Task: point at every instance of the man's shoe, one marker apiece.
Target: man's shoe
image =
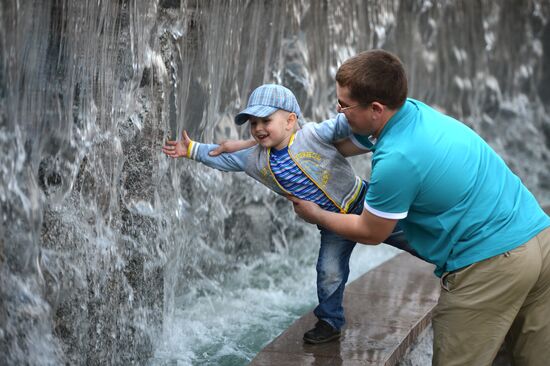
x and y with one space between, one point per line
323 332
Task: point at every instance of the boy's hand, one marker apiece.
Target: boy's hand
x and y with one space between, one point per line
229 146
177 149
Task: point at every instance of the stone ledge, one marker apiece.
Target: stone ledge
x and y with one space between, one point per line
386 310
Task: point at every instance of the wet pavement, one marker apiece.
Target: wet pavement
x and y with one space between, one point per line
386 309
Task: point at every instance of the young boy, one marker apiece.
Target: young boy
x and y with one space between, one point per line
302 163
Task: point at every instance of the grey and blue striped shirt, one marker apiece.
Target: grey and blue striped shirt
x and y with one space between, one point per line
291 178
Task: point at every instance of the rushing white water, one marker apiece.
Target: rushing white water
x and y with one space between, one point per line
250 307
110 253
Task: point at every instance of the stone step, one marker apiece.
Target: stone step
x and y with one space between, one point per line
386 309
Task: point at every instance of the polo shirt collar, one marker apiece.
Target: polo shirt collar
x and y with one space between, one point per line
407 107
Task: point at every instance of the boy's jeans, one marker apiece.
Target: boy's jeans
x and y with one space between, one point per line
333 270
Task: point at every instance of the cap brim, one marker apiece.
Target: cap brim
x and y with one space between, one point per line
254 111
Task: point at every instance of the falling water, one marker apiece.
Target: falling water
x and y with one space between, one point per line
110 253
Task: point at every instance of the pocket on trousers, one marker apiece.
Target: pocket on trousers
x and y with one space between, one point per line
519 249
449 280
443 281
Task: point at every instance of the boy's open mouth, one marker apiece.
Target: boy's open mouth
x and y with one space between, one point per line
262 136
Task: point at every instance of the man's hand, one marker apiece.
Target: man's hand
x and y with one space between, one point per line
229 146
177 149
307 210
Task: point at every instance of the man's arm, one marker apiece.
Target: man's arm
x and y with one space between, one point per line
365 228
388 200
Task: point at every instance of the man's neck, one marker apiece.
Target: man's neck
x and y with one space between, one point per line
387 114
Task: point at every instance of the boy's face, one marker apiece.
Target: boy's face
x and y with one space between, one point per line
274 130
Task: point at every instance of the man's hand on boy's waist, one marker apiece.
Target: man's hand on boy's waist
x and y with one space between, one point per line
307 210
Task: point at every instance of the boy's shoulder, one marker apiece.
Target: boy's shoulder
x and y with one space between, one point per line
309 130
308 135
307 127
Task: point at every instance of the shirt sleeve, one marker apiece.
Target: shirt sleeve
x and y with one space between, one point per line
333 129
227 162
393 187
361 141
338 128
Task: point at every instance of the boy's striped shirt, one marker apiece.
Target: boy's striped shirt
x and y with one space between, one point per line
291 178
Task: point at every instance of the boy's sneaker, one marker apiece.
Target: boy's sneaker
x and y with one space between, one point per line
323 332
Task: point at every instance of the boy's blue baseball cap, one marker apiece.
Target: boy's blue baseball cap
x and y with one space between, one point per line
266 100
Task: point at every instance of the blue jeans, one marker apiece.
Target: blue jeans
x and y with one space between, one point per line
333 269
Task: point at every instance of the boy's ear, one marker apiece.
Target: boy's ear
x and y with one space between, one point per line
292 120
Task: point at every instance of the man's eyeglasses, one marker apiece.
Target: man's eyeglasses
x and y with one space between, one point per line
341 109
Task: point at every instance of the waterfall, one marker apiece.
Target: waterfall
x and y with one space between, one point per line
105 242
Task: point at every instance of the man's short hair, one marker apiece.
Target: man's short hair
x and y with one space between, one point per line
374 76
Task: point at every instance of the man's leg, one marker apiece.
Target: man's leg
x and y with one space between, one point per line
479 303
529 338
332 275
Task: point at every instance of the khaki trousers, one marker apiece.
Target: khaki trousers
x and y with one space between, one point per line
503 298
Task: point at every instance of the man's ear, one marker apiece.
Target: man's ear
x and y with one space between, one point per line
378 107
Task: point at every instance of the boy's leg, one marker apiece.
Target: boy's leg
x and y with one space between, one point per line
479 303
529 338
332 275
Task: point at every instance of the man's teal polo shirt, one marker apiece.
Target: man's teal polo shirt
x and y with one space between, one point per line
458 201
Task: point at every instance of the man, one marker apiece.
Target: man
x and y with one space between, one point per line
461 208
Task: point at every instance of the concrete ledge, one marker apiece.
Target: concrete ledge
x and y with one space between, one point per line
386 310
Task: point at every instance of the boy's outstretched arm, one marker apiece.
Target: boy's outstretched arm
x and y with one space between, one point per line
177 148
229 146
228 162
338 132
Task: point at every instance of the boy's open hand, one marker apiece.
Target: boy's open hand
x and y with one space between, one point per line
177 149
